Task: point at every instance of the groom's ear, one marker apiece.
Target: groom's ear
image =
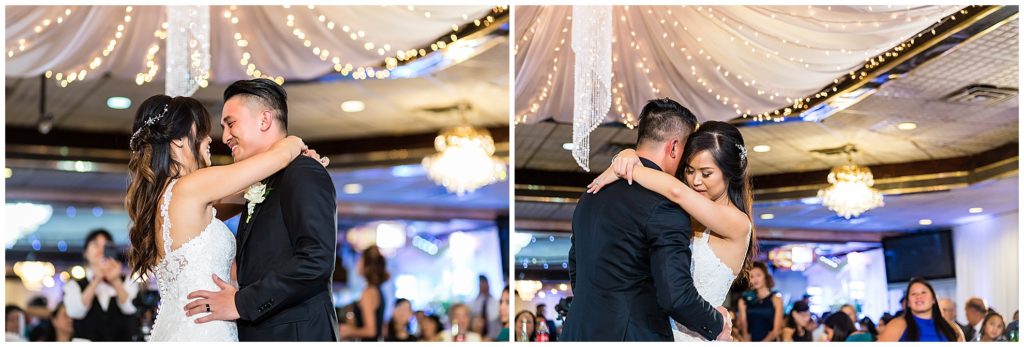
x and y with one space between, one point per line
674 149
266 119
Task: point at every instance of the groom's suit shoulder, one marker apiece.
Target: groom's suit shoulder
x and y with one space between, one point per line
304 168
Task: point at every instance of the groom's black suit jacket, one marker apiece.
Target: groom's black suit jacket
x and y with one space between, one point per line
629 266
285 258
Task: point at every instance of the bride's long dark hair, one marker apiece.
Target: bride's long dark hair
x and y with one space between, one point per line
151 166
724 142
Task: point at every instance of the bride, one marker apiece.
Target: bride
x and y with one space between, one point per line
716 194
180 239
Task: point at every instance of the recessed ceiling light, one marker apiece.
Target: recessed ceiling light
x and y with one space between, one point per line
119 102
353 188
767 216
353 106
925 222
976 210
762 148
907 126
568 146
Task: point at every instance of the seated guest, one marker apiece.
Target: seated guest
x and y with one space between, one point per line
868 332
992 328
430 328
838 327
525 326
478 324
886 318
459 317
503 335
975 309
63 326
1013 328
922 318
15 324
398 327
101 303
798 323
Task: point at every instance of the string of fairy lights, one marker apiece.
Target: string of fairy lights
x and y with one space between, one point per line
251 69
64 79
44 24
545 90
874 58
151 67
392 57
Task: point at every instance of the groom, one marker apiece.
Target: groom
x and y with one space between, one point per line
286 240
629 264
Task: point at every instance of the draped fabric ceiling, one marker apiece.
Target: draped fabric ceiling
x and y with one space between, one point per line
363 36
719 61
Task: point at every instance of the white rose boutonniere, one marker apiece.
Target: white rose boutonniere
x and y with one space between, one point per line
255 196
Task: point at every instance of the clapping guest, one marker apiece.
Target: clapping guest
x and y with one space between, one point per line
922 318
369 310
992 328
798 321
101 303
398 327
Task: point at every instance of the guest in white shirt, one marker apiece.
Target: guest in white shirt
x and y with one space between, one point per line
485 305
975 310
101 304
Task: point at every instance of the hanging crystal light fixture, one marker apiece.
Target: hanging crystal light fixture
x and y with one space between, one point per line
851 192
465 160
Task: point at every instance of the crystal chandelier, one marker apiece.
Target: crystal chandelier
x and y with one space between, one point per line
465 160
851 193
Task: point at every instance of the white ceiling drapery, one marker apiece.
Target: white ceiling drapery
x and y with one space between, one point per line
719 61
353 34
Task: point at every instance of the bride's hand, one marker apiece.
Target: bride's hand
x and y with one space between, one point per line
313 154
623 164
606 178
292 144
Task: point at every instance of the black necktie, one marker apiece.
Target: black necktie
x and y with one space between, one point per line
483 312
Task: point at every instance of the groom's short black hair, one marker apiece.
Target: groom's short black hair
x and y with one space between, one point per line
264 91
662 118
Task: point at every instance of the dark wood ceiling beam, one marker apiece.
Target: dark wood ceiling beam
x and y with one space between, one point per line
897 178
84 140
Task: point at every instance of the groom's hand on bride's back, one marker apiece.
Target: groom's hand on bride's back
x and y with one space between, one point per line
220 304
726 334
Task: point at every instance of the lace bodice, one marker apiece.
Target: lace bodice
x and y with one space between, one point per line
189 268
711 277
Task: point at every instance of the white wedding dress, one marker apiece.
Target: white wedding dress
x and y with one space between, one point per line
187 269
711 277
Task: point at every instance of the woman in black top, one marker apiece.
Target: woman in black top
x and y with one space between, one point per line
369 310
398 327
760 309
797 323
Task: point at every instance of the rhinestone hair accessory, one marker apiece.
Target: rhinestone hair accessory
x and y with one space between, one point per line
149 122
743 153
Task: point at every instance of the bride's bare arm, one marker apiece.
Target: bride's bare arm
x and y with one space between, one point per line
213 183
230 206
726 221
